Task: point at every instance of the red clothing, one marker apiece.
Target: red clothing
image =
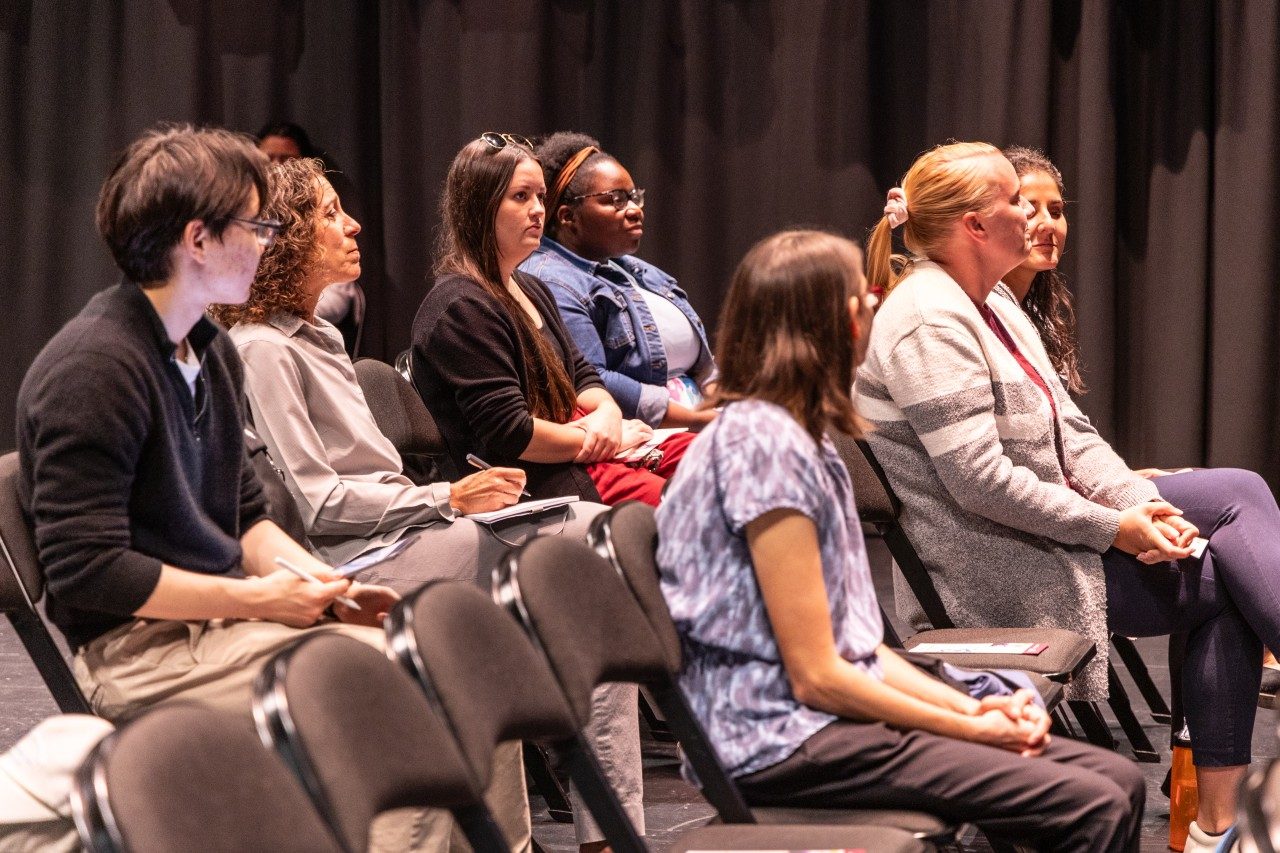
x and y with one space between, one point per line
617 482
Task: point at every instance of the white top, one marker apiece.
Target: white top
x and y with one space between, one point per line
189 367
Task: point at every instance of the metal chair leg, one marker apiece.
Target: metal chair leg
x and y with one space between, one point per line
1091 723
538 765
1119 702
49 661
1137 667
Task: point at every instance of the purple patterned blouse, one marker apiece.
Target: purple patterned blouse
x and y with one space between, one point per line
752 459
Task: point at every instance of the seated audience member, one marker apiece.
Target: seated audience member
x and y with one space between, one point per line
36 776
629 318
492 358
150 524
501 376
307 405
1022 513
1041 289
284 140
765 571
343 303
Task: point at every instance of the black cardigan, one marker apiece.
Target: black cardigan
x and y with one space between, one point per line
121 470
469 370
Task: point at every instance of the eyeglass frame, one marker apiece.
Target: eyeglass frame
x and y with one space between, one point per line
498 141
257 226
635 196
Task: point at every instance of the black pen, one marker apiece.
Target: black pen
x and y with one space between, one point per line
476 462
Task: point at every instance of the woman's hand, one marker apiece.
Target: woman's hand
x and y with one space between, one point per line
487 490
603 428
375 602
634 433
1154 532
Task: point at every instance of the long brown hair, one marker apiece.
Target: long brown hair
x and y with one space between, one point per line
942 185
1048 302
468 246
784 331
294 199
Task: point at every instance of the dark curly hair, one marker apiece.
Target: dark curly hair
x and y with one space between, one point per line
468 246
553 152
1048 302
293 197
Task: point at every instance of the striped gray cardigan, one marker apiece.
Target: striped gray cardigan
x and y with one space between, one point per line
966 439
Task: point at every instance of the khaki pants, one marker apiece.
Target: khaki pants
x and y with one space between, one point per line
147 661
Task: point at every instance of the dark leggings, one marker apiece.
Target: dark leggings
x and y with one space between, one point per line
1227 602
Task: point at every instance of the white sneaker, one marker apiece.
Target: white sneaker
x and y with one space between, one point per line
1199 841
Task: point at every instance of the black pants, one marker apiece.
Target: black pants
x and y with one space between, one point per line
1227 603
1074 797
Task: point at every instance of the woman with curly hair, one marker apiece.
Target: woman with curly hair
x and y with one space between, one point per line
1037 284
345 476
631 320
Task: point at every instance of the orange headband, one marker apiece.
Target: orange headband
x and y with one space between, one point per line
566 175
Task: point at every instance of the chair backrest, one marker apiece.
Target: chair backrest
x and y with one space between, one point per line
582 615
359 733
627 536
480 669
281 507
398 410
878 505
21 579
187 777
593 630
491 684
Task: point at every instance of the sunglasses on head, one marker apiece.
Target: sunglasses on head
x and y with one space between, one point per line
498 141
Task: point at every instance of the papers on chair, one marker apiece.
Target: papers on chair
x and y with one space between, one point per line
521 509
639 451
980 648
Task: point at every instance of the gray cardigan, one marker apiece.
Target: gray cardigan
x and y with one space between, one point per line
967 441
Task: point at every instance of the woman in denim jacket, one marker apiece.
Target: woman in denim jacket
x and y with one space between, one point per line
629 318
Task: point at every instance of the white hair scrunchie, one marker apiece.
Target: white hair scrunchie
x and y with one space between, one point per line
895 207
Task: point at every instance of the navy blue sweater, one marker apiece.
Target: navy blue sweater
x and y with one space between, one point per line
121 470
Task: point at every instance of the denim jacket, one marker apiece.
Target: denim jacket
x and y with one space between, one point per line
613 327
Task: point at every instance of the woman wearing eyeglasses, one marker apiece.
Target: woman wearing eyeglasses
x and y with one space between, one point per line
629 318
494 362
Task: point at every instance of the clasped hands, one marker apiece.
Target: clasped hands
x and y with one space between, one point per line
1015 723
1155 532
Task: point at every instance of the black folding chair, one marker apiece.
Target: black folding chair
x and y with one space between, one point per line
491 685
592 631
359 734
403 418
1067 654
22 587
184 777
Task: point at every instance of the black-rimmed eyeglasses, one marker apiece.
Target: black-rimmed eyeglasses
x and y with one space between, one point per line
265 230
618 198
498 141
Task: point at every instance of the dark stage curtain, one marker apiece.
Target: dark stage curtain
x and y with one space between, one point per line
739 118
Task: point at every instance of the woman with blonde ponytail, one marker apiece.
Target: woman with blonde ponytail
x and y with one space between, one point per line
1022 513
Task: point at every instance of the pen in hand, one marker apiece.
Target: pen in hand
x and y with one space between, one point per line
307 576
476 462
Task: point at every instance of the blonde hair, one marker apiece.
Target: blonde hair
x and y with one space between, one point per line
943 184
